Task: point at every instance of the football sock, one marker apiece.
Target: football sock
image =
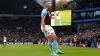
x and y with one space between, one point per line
56 45
50 47
59 22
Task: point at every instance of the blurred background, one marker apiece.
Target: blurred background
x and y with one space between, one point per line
20 21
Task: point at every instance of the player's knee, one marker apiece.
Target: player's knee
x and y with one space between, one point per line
49 38
54 36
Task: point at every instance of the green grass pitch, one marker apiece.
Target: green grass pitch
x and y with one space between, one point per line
42 50
65 17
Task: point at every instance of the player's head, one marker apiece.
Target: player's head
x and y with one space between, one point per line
57 12
47 5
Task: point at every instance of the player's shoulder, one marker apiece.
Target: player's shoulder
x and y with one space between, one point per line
44 10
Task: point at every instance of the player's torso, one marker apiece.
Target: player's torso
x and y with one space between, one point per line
5 40
47 19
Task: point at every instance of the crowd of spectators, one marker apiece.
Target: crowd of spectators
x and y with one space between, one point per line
87 34
19 36
20 30
89 9
86 15
28 31
84 38
83 4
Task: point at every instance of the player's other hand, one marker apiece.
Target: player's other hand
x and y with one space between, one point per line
45 30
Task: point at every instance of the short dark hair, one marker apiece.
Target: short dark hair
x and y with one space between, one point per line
45 2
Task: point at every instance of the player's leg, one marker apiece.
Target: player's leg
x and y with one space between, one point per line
50 43
55 42
51 30
49 38
3 44
59 21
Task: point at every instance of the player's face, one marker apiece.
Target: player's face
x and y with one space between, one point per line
48 5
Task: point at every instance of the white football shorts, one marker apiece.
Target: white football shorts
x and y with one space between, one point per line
49 30
58 17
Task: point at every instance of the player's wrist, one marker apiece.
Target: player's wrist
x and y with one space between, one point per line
45 30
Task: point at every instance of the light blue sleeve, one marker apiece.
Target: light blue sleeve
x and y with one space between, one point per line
44 13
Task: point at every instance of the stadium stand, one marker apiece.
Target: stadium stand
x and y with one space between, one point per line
23 25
